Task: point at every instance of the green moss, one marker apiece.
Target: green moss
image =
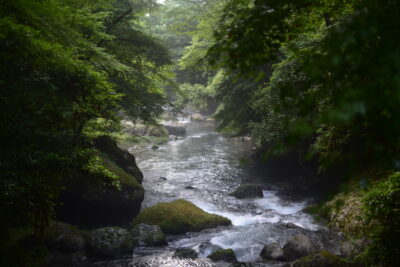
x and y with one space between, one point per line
158 131
126 139
323 258
227 255
382 205
179 216
319 211
122 176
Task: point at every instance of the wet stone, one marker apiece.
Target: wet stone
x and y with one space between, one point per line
273 251
185 253
149 235
297 247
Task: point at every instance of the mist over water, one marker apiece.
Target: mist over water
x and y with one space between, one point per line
213 166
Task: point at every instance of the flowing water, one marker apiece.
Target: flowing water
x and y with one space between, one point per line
213 166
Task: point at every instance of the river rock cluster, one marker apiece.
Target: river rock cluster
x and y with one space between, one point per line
300 250
70 245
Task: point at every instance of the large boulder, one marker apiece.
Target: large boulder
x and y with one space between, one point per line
111 242
248 191
92 199
273 251
323 259
226 255
179 217
149 235
298 246
122 158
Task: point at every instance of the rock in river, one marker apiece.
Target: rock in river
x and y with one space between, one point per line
227 255
185 253
248 191
197 117
175 130
273 251
111 242
298 246
179 217
149 235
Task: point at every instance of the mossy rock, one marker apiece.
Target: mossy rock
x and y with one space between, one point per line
123 177
323 259
227 255
179 217
122 158
158 131
154 147
92 200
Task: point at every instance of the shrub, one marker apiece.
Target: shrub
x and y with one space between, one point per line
382 205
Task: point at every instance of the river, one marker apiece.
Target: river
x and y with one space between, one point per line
204 167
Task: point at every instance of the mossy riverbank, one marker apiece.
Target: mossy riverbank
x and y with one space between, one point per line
365 210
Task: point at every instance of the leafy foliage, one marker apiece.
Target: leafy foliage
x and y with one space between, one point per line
333 88
64 64
187 27
382 204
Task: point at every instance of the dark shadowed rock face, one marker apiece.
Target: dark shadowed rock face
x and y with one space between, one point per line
122 158
88 202
298 246
89 206
64 237
247 191
273 251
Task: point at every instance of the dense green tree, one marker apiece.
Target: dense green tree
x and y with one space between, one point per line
64 64
186 27
334 81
